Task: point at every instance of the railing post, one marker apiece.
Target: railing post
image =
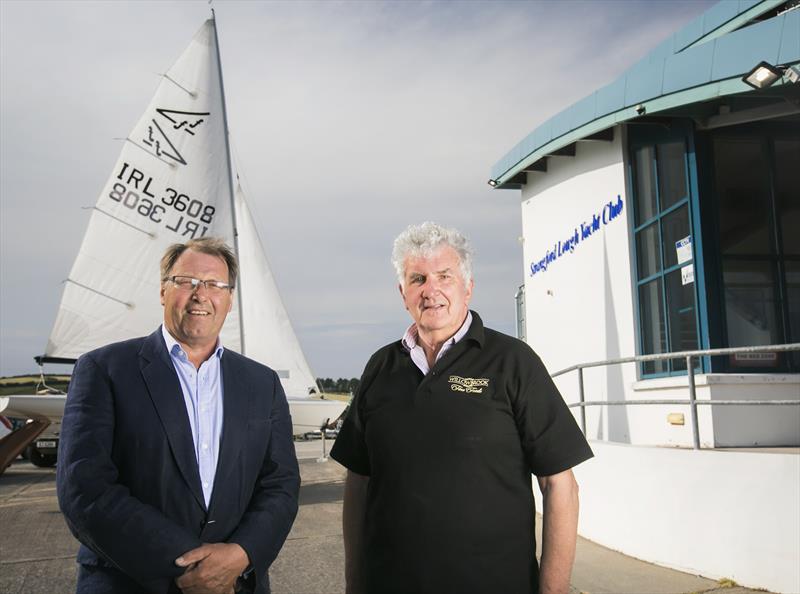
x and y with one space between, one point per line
324 457
693 403
581 396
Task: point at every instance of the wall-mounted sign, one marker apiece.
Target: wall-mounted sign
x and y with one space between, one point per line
570 241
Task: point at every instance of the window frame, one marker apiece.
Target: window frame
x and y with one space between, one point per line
653 135
767 134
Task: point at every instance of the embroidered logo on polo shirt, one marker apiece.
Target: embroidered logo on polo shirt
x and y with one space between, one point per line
470 385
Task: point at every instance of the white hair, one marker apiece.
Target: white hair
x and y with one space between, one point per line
422 240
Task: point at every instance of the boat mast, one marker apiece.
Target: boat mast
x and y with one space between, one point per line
230 184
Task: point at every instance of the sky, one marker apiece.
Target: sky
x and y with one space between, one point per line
350 121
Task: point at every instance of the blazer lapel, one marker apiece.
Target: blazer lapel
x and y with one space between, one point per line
167 396
234 421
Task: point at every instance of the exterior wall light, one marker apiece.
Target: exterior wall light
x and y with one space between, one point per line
492 182
763 75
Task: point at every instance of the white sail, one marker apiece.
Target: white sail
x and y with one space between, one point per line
268 334
171 183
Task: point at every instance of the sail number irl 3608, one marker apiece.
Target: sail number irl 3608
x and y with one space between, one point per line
177 212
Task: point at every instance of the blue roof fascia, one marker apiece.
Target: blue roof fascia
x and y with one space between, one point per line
790 38
739 51
706 92
776 40
719 20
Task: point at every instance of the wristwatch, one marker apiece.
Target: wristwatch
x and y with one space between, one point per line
245 582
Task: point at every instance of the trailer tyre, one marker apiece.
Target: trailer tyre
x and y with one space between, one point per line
41 460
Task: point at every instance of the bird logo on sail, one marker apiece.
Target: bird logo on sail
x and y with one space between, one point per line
185 122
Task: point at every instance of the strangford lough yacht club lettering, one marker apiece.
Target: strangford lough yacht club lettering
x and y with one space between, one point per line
610 211
470 385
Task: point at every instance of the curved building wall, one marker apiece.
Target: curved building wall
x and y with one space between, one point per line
578 276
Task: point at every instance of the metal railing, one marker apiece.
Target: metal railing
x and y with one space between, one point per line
692 402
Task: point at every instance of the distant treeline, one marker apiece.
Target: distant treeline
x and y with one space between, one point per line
328 384
28 384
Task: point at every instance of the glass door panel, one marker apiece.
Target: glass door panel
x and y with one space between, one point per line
742 187
787 194
647 256
675 228
654 338
672 182
681 312
644 175
793 296
751 310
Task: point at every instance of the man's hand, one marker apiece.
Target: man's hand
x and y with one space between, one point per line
211 568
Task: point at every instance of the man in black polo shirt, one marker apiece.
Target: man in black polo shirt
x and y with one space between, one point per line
440 442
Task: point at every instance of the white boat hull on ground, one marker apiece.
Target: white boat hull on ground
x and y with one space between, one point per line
308 414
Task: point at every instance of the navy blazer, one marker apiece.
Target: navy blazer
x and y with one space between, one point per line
128 481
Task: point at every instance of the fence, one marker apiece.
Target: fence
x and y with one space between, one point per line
692 401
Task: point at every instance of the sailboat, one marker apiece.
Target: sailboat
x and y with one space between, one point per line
174 180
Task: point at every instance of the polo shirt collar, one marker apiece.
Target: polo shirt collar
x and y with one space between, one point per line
475 331
411 337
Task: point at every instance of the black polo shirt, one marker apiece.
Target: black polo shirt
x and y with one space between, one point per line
449 455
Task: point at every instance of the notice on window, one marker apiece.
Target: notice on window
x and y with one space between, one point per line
683 249
687 274
754 359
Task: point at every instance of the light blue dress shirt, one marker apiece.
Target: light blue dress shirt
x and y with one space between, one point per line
202 394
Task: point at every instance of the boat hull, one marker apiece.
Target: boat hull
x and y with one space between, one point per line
308 414
311 414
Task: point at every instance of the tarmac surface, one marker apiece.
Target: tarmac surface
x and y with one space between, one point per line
37 551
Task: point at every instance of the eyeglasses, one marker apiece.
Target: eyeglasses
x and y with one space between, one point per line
187 283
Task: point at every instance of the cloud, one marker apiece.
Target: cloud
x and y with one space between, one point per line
350 121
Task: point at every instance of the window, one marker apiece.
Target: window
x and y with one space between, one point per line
663 245
758 217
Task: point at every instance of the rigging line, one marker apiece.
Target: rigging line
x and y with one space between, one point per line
230 179
192 94
125 303
148 151
108 214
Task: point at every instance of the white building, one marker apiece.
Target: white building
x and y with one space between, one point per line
662 214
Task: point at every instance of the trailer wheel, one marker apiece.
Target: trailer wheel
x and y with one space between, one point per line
41 460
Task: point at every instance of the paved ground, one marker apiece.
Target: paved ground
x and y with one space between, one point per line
37 552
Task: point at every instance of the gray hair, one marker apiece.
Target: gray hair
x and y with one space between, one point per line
212 246
422 240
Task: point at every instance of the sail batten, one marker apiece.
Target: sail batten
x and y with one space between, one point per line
173 181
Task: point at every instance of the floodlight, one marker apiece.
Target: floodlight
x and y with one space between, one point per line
492 182
763 75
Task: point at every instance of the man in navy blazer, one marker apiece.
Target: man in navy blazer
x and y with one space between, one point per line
177 470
